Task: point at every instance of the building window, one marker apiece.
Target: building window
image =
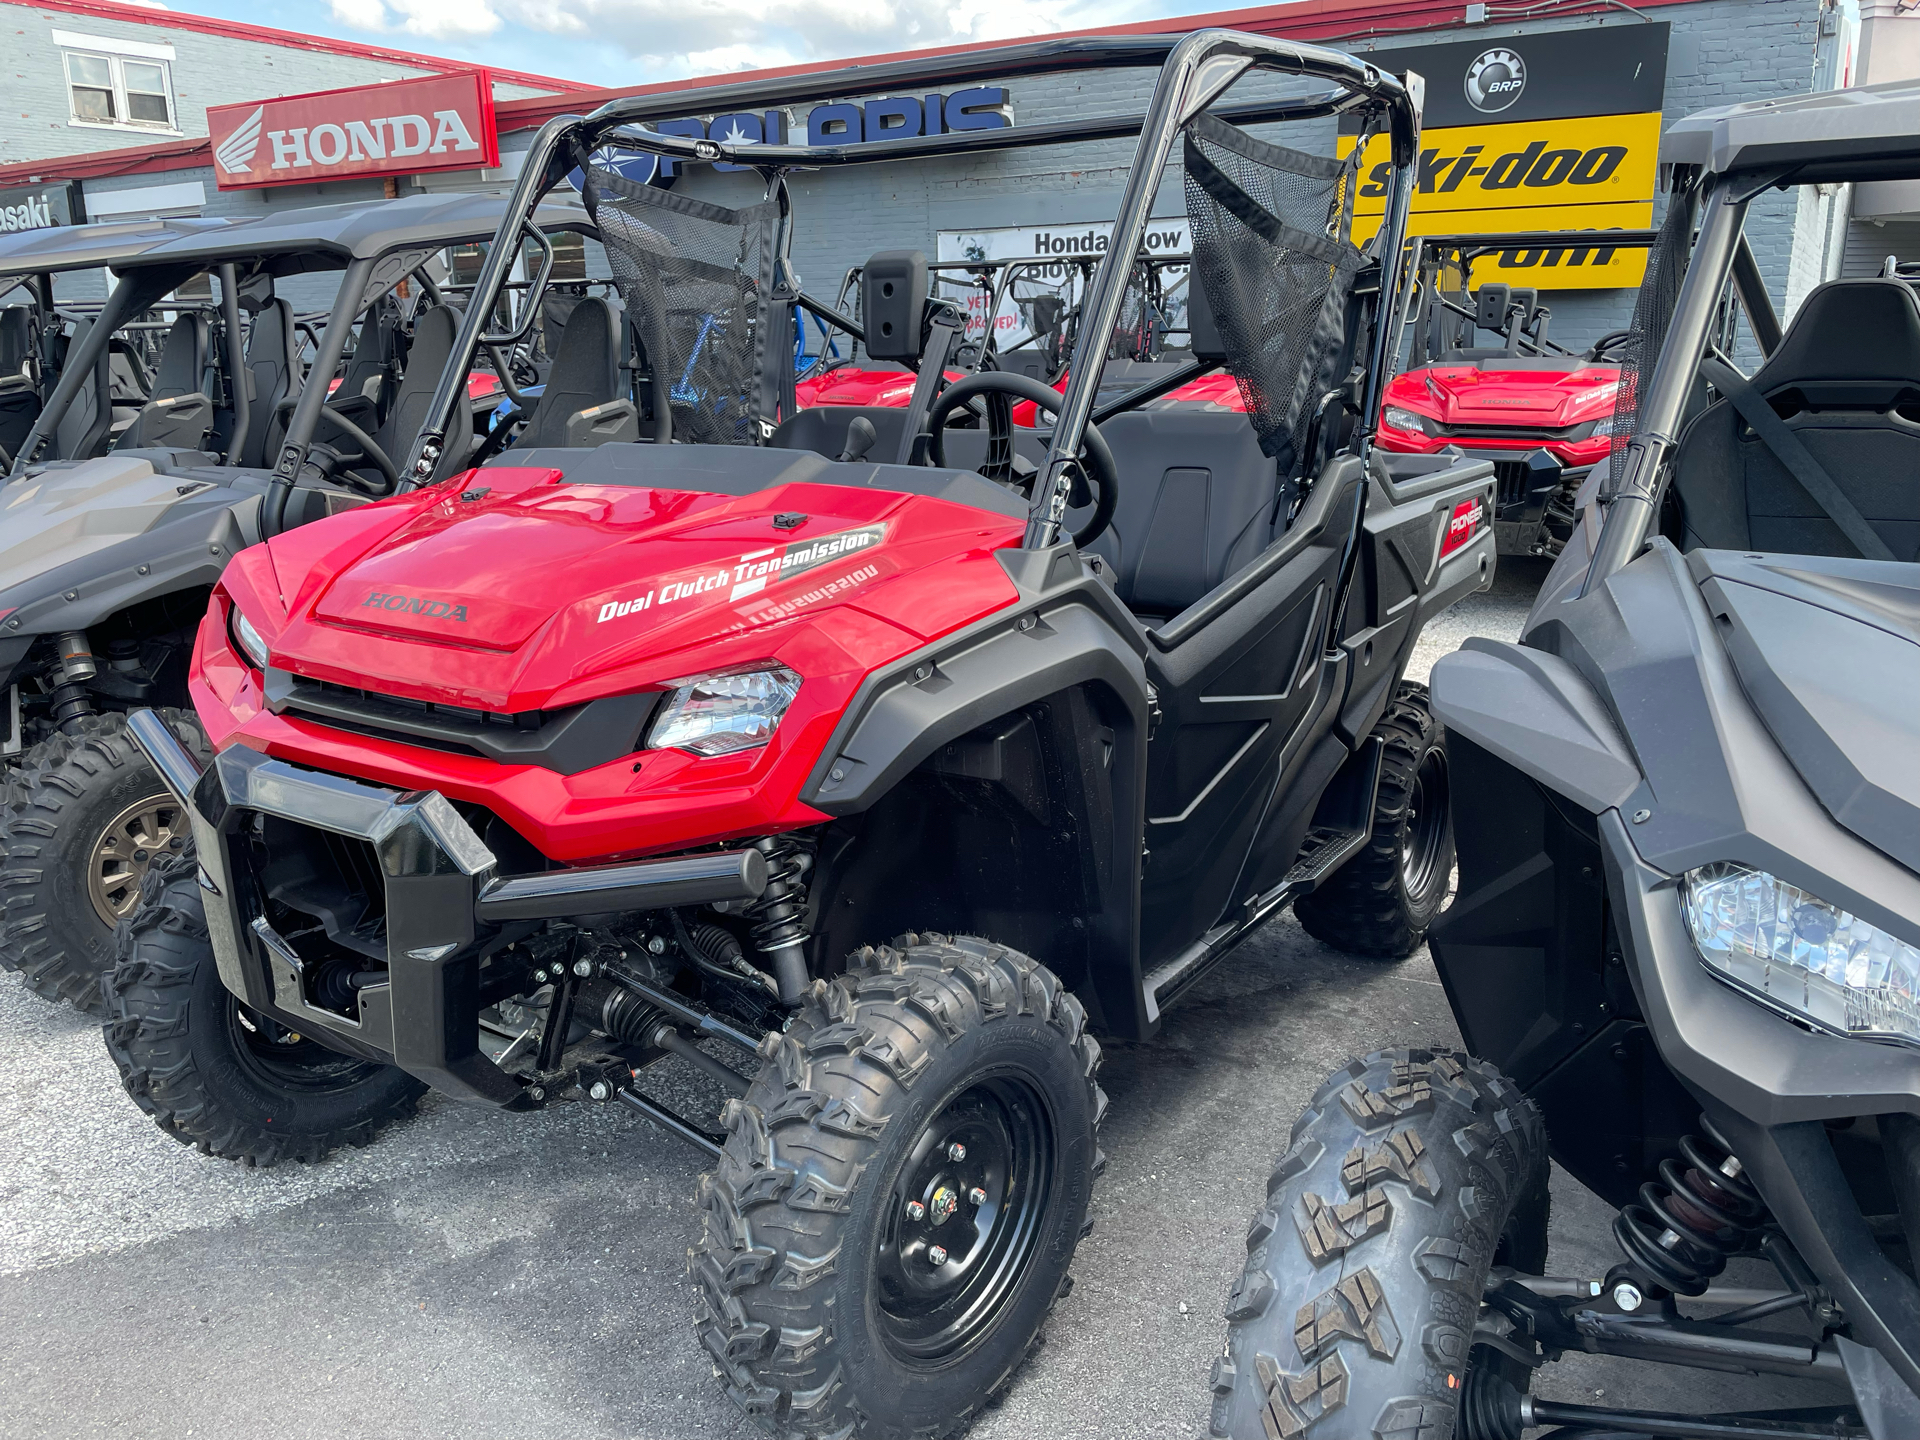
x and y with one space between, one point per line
120 90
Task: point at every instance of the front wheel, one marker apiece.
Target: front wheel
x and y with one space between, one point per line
85 816
1382 902
1411 1173
901 1193
213 1073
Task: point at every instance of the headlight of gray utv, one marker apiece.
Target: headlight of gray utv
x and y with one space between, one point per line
247 639
1801 955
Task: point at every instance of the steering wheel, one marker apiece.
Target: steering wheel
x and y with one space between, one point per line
1095 454
389 473
1607 341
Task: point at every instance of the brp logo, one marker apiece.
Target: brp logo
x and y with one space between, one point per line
1495 80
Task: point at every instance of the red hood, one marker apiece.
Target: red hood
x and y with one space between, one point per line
1468 395
851 386
535 593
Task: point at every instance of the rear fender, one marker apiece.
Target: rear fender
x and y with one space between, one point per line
1404 580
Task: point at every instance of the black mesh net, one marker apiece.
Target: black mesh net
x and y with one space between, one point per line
1271 249
697 281
1652 313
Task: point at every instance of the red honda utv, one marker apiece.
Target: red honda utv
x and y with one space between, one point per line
1483 377
892 779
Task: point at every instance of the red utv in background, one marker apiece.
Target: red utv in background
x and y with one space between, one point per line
1484 378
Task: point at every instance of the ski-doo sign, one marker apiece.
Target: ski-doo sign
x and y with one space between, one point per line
404 127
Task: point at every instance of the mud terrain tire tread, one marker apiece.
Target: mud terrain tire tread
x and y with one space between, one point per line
53 799
1355 1311
163 984
782 1211
1363 908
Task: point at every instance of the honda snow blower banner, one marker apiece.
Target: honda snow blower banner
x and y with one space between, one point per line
402 127
1556 131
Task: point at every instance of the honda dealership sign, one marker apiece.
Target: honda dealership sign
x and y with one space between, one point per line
404 127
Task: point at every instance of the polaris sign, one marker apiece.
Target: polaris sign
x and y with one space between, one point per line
981 107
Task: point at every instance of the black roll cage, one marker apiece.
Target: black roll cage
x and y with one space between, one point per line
1195 69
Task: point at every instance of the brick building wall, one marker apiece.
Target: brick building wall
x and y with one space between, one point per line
206 69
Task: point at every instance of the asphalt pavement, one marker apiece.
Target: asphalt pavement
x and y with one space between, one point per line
476 1274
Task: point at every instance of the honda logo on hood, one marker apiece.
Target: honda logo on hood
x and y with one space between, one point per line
433 122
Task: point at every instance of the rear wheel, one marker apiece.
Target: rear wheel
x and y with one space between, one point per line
1382 902
213 1073
85 816
1411 1173
901 1193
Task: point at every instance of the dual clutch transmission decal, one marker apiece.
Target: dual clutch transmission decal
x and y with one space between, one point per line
750 573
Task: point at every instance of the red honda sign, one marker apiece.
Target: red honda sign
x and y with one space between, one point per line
403 127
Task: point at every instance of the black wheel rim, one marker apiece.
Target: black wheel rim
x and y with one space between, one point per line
985 1209
287 1060
1423 836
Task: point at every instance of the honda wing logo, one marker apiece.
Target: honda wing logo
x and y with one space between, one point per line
236 152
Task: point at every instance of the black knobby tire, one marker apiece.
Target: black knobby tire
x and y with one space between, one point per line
1382 902
1410 1173
818 1294
214 1074
62 802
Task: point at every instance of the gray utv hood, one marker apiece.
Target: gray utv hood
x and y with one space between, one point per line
1828 651
73 537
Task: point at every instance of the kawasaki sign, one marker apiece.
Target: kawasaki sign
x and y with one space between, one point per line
36 207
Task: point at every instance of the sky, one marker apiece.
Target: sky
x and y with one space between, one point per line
633 42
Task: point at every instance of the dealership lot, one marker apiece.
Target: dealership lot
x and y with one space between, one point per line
483 1275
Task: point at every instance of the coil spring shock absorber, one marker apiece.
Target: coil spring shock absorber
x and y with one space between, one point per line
779 916
1690 1221
72 702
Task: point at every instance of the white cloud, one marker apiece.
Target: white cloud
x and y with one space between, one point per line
430 19
704 37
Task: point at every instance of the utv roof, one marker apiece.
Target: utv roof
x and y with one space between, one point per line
1871 132
364 230
87 247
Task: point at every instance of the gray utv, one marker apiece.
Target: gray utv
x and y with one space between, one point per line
890 780
109 551
1685 953
36 332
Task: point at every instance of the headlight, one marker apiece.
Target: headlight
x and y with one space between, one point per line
246 639
1604 428
719 714
1401 419
1802 955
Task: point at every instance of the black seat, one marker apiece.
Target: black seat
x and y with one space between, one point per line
16 340
1198 500
585 373
273 364
433 336
1845 379
183 359
169 418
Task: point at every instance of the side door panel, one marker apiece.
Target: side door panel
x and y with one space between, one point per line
1236 682
1404 580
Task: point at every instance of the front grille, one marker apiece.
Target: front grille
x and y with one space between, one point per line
1510 476
569 740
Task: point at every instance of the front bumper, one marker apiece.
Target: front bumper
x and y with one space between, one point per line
443 900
